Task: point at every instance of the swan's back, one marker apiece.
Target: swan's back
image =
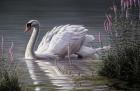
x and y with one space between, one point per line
59 38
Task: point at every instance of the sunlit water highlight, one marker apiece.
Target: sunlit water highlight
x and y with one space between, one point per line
55 75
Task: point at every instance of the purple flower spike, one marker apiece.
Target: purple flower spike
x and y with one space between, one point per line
122 3
127 3
11 52
131 3
108 23
109 17
135 2
105 25
115 9
139 3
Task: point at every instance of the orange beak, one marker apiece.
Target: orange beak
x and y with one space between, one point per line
28 27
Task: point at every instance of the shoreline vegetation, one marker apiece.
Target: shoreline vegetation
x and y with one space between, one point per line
9 77
122 61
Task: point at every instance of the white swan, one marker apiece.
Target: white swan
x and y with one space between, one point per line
57 41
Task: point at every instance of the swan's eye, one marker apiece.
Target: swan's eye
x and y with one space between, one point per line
28 24
28 27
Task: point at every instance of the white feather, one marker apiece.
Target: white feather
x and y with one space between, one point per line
57 40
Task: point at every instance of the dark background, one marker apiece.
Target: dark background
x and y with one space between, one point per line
16 13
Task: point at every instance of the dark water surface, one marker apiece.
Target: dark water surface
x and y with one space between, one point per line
15 13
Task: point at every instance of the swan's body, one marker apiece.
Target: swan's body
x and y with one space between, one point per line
56 42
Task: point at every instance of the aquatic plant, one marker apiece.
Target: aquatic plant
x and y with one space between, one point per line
124 9
11 52
122 61
9 80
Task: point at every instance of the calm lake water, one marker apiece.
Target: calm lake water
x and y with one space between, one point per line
15 13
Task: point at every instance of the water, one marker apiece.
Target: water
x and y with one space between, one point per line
15 13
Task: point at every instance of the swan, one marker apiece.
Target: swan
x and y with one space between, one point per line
60 41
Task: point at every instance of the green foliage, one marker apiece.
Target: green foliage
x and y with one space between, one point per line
122 61
9 80
123 64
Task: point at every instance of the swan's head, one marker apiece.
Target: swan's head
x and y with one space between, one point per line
32 24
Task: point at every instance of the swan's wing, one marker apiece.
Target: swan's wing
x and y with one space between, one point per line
45 40
71 35
43 45
89 39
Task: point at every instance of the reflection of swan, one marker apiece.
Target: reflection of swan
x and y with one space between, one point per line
57 42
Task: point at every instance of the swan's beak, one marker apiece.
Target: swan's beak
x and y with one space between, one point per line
28 27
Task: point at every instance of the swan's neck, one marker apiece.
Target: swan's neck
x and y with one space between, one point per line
29 53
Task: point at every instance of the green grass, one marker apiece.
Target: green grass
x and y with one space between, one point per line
9 80
122 61
123 65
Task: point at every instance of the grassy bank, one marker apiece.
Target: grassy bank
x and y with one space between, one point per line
9 80
122 61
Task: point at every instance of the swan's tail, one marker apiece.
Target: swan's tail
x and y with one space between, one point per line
89 51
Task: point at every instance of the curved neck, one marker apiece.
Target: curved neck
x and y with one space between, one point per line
29 53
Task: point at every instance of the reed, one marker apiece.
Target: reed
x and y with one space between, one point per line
9 80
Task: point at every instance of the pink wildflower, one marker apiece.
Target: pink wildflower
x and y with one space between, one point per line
11 52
